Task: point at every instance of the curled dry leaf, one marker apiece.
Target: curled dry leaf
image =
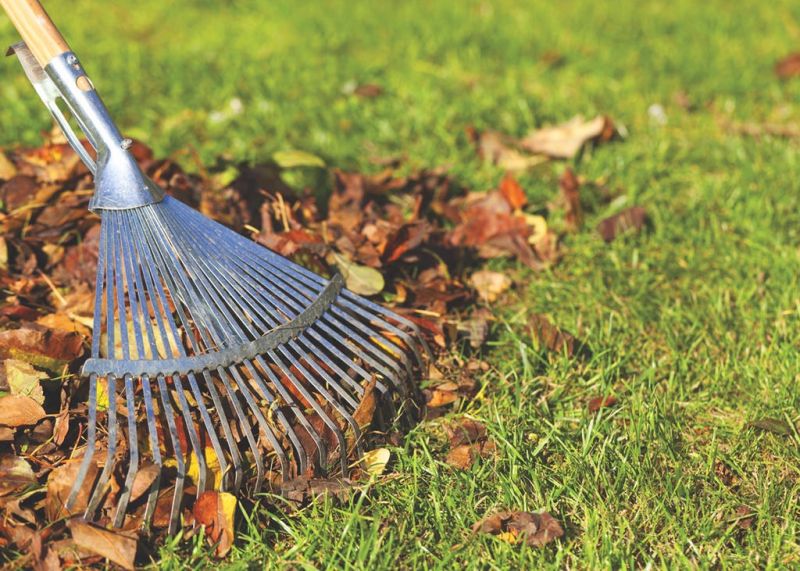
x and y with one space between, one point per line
512 192
601 402
15 473
745 517
569 186
215 511
469 441
116 547
489 284
634 218
59 485
774 425
565 140
375 461
548 336
41 346
536 529
788 66
21 378
19 410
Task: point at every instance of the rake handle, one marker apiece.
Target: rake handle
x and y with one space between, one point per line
36 28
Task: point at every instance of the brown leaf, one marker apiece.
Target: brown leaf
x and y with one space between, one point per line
788 66
461 457
303 488
145 476
59 486
215 511
41 346
15 473
745 517
512 192
466 431
565 140
634 218
116 547
497 149
368 90
366 408
489 285
20 410
441 397
7 168
601 402
774 425
545 334
569 186
536 529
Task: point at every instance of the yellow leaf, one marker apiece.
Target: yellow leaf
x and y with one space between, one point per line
102 394
212 467
23 379
362 280
375 461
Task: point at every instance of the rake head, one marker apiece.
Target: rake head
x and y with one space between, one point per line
230 355
215 363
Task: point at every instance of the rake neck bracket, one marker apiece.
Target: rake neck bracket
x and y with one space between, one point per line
119 182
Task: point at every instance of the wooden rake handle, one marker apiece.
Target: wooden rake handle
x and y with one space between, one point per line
36 28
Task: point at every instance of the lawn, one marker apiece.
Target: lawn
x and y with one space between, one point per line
694 325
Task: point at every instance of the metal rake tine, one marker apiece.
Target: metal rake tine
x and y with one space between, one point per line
286 397
204 412
133 456
91 437
177 497
152 496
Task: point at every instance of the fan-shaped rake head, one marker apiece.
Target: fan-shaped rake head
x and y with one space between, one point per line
218 360
216 363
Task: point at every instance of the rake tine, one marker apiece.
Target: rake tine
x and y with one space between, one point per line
152 497
91 437
111 413
283 459
133 456
177 498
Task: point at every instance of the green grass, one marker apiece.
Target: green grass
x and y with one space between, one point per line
693 325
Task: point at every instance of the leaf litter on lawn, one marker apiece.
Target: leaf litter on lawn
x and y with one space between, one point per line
418 242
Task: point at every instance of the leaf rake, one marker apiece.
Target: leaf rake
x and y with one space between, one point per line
216 363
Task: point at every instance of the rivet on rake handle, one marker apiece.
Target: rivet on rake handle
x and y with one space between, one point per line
230 365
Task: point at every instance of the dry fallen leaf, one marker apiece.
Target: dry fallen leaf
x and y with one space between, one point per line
775 425
565 140
536 529
633 218
22 379
116 547
59 486
375 461
601 402
548 336
569 186
41 346
361 280
512 192
15 473
19 410
788 66
489 284
215 511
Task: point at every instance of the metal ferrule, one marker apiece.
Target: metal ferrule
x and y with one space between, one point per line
119 182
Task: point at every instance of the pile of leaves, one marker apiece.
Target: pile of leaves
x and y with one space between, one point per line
417 242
